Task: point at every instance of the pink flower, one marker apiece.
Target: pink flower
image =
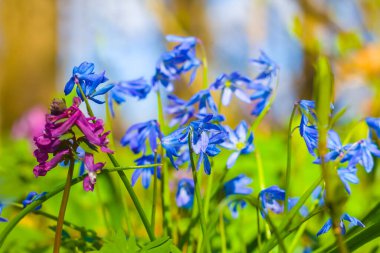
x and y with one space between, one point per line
30 124
60 140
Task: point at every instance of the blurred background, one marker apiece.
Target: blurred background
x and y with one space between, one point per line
42 40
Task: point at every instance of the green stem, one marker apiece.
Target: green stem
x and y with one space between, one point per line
289 159
62 209
197 189
51 217
124 178
153 215
260 169
205 65
222 233
164 172
258 120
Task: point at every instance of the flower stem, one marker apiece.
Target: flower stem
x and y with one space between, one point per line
197 190
62 209
164 172
30 208
124 179
260 169
205 65
222 233
153 215
289 159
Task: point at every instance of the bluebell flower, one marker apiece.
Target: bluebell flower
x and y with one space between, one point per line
205 101
185 193
181 110
348 175
374 124
335 148
268 67
310 136
237 185
89 81
303 210
181 59
232 84
205 136
361 153
137 135
215 118
237 140
318 195
270 198
145 173
345 217
260 96
2 219
139 88
31 197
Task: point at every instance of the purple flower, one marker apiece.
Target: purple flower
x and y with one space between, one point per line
181 59
92 169
137 135
185 193
361 153
345 217
145 173
2 219
231 84
60 140
268 68
139 88
270 198
237 140
374 124
31 197
89 81
348 175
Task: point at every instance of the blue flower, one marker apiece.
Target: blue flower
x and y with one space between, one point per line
89 81
260 96
181 59
335 147
137 135
205 136
374 124
139 88
237 141
361 153
145 173
2 219
345 217
181 110
310 136
185 193
231 84
237 185
270 198
293 201
348 175
268 67
205 100
31 197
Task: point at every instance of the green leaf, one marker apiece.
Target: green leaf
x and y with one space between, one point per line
119 243
160 245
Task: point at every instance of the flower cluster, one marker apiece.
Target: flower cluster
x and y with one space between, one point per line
61 139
